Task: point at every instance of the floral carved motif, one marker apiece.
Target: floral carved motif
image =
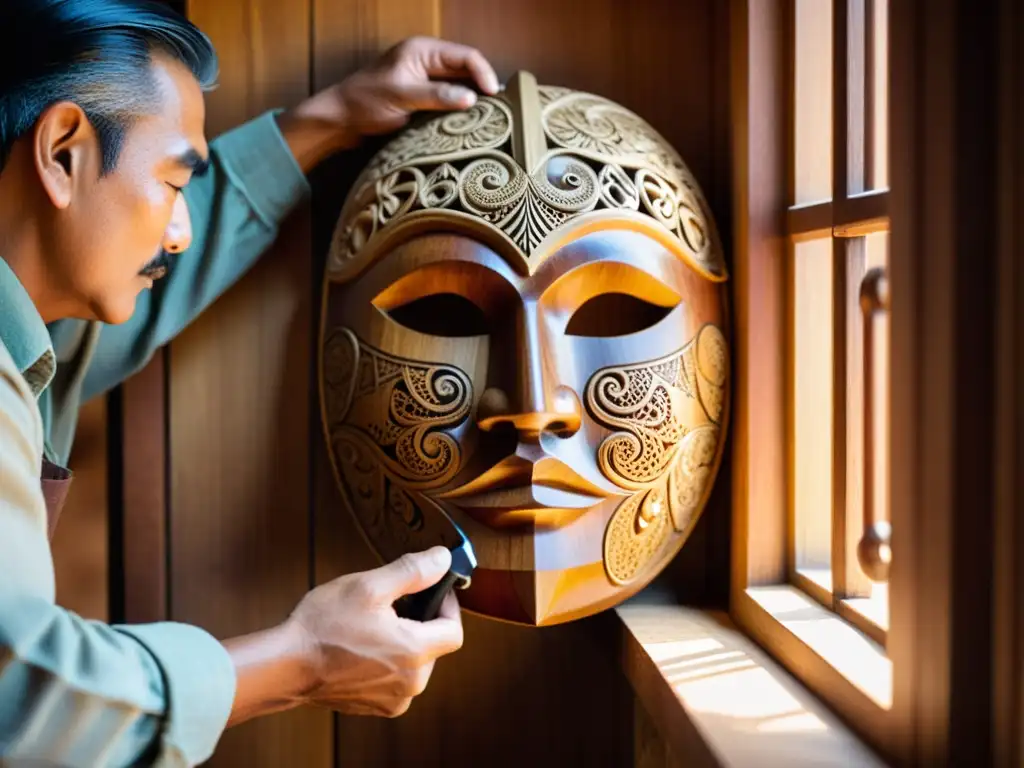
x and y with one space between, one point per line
668 462
396 409
599 156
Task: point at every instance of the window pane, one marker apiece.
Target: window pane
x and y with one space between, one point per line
812 407
812 140
880 95
877 255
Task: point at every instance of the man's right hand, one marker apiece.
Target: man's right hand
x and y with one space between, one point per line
345 648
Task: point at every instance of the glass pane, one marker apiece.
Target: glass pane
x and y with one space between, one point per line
877 255
879 22
812 407
812 140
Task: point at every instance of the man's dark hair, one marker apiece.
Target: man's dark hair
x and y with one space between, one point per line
95 53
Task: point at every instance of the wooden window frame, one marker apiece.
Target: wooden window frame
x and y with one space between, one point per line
955 436
763 223
856 207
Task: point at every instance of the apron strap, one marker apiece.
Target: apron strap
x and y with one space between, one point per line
56 482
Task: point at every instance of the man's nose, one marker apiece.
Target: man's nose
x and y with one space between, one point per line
178 235
536 405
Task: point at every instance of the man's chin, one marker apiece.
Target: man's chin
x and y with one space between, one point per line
115 312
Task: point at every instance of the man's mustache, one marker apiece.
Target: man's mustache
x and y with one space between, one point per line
157 267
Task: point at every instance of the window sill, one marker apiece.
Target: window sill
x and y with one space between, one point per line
718 699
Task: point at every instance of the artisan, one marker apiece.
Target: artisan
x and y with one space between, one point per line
119 224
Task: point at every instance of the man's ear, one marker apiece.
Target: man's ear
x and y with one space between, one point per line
65 147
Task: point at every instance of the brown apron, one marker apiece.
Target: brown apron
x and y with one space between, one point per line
56 481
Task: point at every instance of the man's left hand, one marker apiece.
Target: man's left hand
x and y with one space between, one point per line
381 98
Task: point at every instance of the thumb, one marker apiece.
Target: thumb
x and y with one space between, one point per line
436 96
412 572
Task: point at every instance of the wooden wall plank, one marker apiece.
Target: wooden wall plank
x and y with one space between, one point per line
141 517
80 541
239 393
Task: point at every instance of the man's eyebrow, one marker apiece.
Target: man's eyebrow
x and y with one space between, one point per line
191 160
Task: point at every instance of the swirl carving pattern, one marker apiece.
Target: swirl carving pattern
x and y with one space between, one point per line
396 409
599 156
394 519
668 462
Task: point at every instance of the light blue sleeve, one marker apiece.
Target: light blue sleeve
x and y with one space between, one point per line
83 693
237 208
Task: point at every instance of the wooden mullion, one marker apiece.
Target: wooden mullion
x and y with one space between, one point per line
839 413
862 213
847 578
840 101
840 162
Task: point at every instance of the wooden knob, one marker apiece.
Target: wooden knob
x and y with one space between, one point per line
874 552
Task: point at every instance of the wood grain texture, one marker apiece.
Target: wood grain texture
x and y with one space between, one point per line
143 523
1008 692
80 542
760 180
239 395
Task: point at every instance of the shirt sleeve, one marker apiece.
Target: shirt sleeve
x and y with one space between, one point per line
82 693
237 206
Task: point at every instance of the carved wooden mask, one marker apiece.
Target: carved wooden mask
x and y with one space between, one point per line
524 332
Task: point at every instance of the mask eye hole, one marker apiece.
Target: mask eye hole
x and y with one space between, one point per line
614 314
441 314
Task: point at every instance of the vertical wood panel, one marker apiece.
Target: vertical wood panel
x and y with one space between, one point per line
239 393
141 517
80 541
759 124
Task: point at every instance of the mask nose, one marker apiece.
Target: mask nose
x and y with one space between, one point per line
535 408
563 418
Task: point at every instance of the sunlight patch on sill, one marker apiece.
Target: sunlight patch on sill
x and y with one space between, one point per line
746 709
855 656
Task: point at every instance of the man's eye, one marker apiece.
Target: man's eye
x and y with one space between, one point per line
614 314
442 314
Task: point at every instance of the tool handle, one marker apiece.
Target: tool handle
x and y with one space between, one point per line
425 605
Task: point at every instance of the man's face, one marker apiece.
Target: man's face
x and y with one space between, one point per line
120 230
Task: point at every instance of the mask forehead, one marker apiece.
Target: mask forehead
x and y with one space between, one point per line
515 169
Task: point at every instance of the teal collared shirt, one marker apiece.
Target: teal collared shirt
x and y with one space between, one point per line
84 693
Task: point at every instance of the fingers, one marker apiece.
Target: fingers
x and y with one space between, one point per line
442 58
450 608
460 60
412 572
442 635
437 96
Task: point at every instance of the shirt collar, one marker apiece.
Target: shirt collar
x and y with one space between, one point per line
24 333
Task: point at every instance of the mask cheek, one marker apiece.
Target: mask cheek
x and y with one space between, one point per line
400 411
660 415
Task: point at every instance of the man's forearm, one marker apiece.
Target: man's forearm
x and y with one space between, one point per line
313 137
273 671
